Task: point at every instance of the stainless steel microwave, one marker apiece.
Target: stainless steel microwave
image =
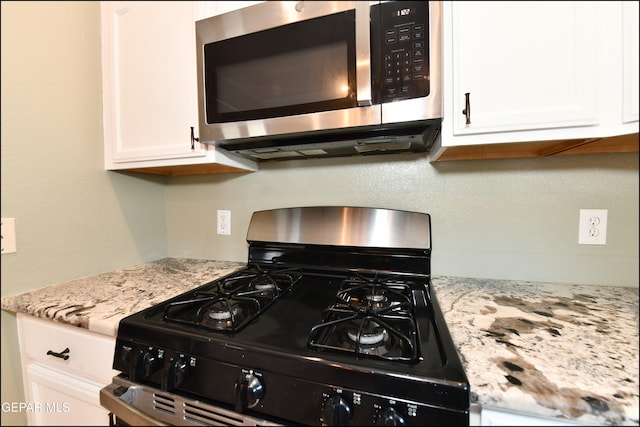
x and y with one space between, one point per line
300 79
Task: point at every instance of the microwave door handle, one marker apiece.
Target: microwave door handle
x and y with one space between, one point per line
363 53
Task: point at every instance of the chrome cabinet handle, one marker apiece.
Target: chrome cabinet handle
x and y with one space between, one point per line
64 354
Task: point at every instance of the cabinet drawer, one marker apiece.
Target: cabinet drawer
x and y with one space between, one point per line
90 355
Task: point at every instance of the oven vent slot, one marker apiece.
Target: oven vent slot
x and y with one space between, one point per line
164 403
210 416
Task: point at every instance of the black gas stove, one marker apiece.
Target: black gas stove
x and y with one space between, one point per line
332 322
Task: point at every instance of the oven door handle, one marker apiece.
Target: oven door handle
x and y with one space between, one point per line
363 54
123 410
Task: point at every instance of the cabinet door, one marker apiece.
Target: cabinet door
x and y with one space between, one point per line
149 72
490 417
630 61
525 65
62 400
63 368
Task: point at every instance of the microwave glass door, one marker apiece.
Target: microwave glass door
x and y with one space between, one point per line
303 67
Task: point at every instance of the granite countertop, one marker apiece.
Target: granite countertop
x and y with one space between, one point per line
99 302
553 350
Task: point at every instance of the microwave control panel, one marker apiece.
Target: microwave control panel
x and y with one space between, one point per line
400 43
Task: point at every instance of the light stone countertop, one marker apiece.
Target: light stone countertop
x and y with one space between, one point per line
552 350
98 303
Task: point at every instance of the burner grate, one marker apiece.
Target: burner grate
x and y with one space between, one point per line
372 317
231 303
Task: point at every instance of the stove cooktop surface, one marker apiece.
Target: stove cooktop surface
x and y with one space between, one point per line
366 319
299 332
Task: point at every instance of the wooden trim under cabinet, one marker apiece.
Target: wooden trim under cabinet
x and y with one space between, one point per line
615 144
187 170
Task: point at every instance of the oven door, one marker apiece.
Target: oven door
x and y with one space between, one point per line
132 404
121 412
284 67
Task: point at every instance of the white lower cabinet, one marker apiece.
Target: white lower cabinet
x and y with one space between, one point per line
495 417
63 368
60 399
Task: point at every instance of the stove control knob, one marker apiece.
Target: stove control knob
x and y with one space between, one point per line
336 411
175 374
135 366
391 417
179 371
249 391
149 364
126 355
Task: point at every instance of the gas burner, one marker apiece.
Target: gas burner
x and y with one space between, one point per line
376 299
221 319
222 311
377 343
377 294
370 334
379 301
263 283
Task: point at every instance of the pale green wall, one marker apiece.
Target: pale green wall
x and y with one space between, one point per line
73 218
511 219
503 219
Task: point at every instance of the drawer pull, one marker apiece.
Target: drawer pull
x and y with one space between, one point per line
64 354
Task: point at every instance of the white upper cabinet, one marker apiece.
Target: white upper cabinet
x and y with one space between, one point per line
630 61
150 91
537 72
525 65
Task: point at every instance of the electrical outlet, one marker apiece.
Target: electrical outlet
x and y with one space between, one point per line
8 235
224 222
593 227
